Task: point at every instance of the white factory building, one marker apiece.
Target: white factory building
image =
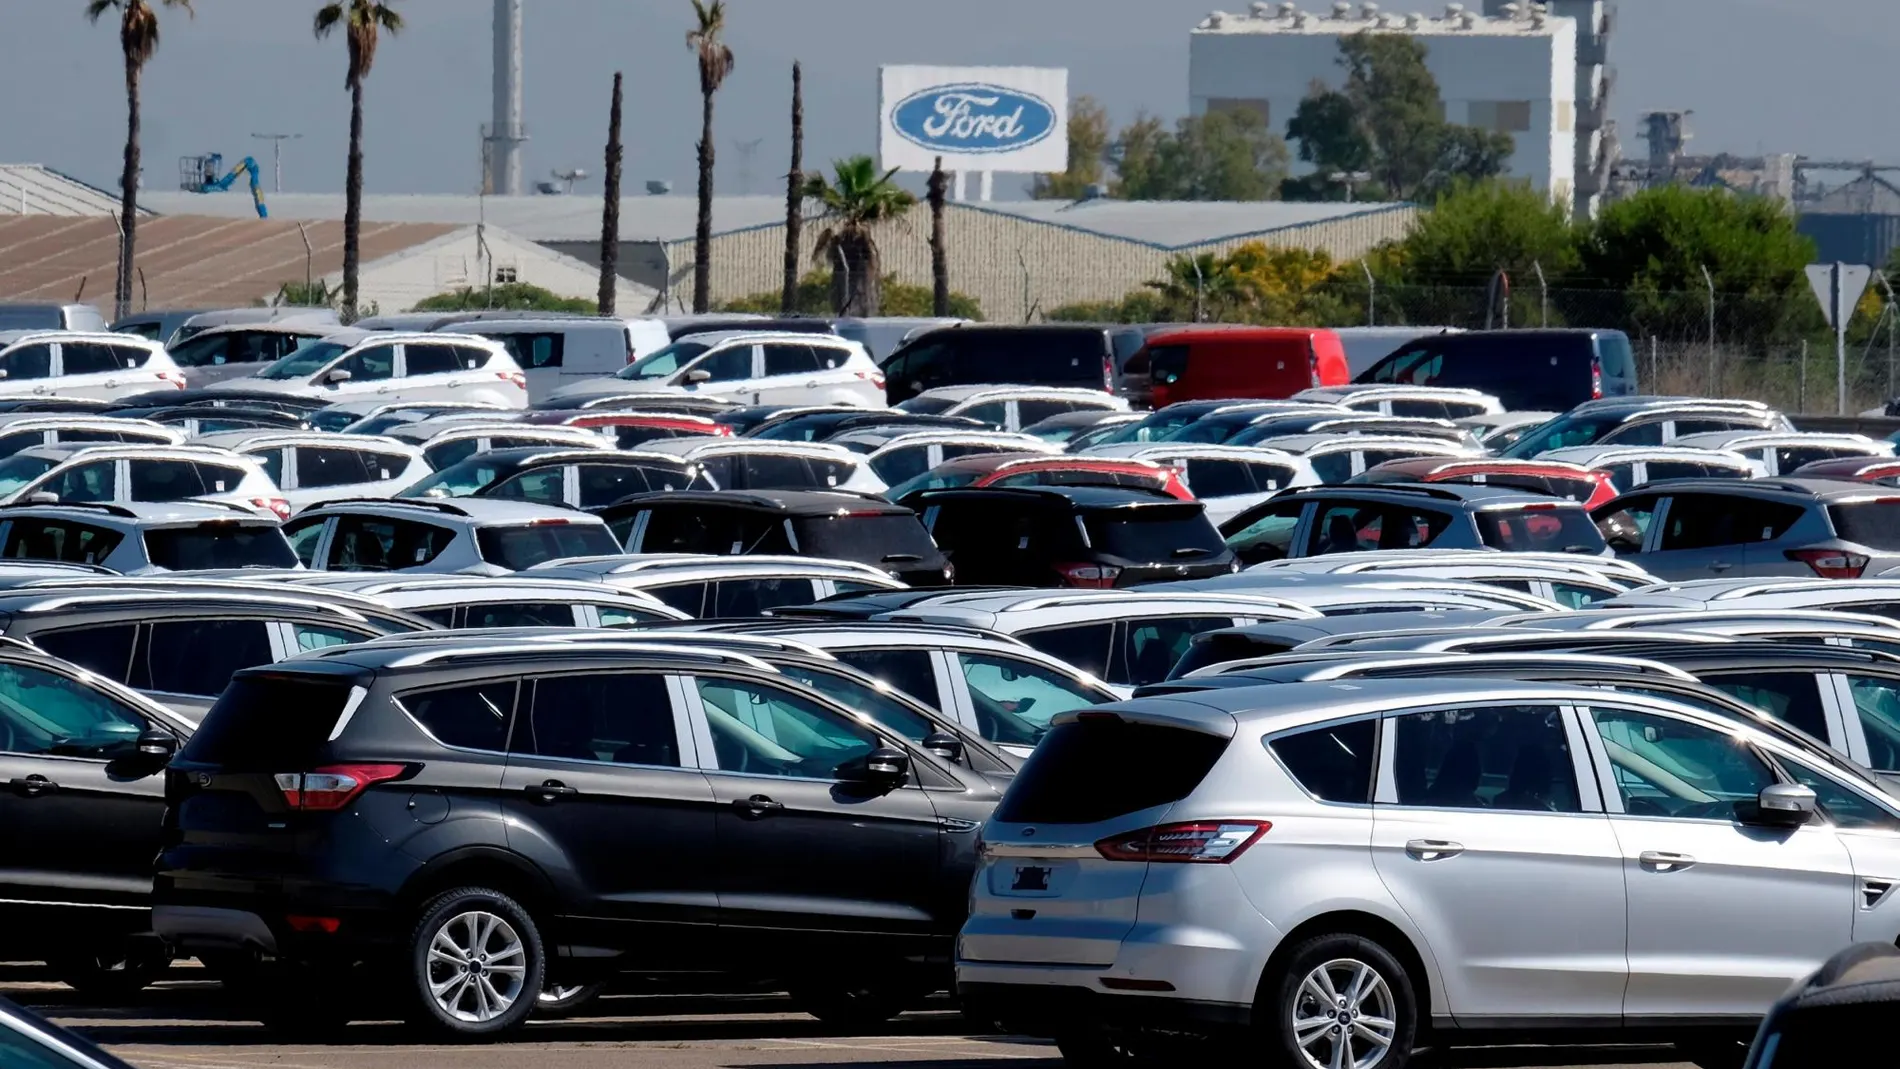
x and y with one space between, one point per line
1534 71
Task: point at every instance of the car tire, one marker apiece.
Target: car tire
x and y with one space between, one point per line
565 1000
111 974
476 965
1329 975
844 1004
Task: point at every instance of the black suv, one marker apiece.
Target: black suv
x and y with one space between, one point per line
1080 536
454 823
812 523
1052 354
1528 370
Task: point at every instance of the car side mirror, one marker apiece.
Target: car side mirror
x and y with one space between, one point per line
944 745
885 767
696 376
158 745
3 373
337 377
1782 805
42 497
152 752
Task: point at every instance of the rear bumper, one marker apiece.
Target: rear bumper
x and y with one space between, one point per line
1058 1009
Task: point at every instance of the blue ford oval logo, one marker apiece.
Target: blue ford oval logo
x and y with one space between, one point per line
972 117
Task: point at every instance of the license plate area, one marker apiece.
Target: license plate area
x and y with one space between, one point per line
1032 877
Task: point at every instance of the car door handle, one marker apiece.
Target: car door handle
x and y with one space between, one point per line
1663 861
1719 566
549 792
33 786
812 385
1433 849
756 806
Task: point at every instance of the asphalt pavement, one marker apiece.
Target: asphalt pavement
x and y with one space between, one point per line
182 1024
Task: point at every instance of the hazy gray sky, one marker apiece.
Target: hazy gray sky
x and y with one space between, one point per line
1807 76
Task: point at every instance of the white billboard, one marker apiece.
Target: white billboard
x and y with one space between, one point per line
976 118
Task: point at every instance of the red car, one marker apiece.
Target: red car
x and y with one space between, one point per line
629 429
1552 477
1043 469
1882 470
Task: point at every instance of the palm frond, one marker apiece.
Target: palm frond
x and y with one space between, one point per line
328 18
96 9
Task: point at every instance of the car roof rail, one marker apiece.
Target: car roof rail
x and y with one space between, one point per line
92 506
435 504
496 647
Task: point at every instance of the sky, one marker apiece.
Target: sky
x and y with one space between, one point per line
1807 76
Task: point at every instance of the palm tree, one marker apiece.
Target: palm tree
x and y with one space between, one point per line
138 39
939 249
859 198
610 210
794 195
363 23
707 39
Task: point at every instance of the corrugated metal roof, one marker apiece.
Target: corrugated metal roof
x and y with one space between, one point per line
542 218
1867 195
31 189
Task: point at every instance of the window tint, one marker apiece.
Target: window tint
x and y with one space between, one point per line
219 545
1270 535
1705 425
1875 524
1625 523
198 656
74 543
1539 530
910 671
1791 697
268 722
1429 409
1089 647
1844 806
1670 768
1647 433
1078 775
85 482
517 548
318 468
520 614
28 362
872 537
106 650
429 359
1153 646
1578 596
86 358
994 413
473 717
1222 478
1333 764
604 484
1515 758
376 544
544 485
768 471
13 443
727 365
373 364
689 598
1333 468
533 351
1015 699
304 536
856 694
43 712
624 719
764 731
901 464
215 478
788 359
1877 704
751 597
1165 533
624 616
168 480
317 637
1698 521
1349 527
273 462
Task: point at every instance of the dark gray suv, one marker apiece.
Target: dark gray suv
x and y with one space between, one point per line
1716 528
1310 521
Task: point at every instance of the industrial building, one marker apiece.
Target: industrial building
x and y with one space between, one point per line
1534 71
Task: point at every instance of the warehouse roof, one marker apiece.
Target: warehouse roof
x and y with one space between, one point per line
1174 224
30 189
1867 195
1344 18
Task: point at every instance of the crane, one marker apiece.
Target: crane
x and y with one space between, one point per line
199 174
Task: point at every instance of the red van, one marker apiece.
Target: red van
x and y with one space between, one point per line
1216 362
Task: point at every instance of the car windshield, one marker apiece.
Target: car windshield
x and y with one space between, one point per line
874 538
219 545
1155 533
17 471
458 480
1540 529
524 547
865 698
663 363
305 362
934 479
927 406
1560 433
1874 524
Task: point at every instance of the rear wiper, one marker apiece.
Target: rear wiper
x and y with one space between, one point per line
1579 549
1187 551
901 558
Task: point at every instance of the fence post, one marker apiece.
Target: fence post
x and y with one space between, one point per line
1543 295
1372 297
1715 386
1200 284
1652 363
1801 387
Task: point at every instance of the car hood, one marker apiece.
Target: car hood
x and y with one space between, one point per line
253 384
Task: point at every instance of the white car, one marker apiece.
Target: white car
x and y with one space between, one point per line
310 466
470 535
898 454
1228 479
18 430
51 363
758 464
750 367
1781 452
1630 466
1432 402
1338 457
155 474
452 439
361 365
1011 408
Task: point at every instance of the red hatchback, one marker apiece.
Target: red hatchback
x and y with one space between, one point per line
1882 470
1038 469
632 428
1555 478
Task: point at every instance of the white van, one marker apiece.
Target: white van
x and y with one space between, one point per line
557 351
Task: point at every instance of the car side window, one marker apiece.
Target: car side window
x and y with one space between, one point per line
318 468
752 596
1647 433
374 364
620 719
1015 699
87 358
1089 647
994 413
727 365
304 536
472 717
197 657
1220 478
215 478
1515 758
273 462
545 485
1333 468
784 358
1700 521
1426 408
759 730
318 637
902 464
1334 762
1152 647
908 670
85 482
1350 527
106 650
1877 704
429 359
72 543
1666 767
1790 697
27 362
1578 596
1270 535
534 351
166 480
375 544
689 598
1626 528
43 712
774 471
1846 807
520 614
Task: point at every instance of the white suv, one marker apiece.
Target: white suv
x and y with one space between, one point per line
361 365
36 363
751 367
1333 871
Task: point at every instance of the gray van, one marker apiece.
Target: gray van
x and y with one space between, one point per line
559 350
51 317
156 326
227 317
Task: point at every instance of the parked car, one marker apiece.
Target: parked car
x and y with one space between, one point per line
748 366
1010 408
754 464
450 439
352 365
139 538
1863 469
898 454
631 429
1595 789
555 352
471 535
1049 354
881 335
978 470
1498 431
1831 1012
100 366
1783 452
1554 477
19 430
196 420
1434 402
816 523
1630 466
1366 346
1077 430
377 417
1227 479
795 788
1375 595
1336 457
1524 369
55 474
220 353
1643 421
26 316
1710 528
1613 570
309 467
158 326
711 587
1349 519
463 601
210 319
1268 431
1203 363
1082 536
822 425
1571 588
1879 596
553 475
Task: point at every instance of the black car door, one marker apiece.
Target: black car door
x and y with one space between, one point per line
806 861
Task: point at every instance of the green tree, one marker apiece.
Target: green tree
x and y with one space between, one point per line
1135 153
363 23
1088 154
523 296
1221 155
812 296
854 203
1484 227
708 43
138 40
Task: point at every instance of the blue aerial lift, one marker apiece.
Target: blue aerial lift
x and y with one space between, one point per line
199 174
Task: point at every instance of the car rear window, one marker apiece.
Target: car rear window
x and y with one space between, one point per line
1576 489
1541 529
1874 524
1156 533
219 545
269 722
517 548
870 537
1333 763
1078 772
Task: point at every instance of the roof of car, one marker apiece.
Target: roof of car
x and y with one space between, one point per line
896 434
11 337
1493 420
1358 390
1745 439
681 567
1595 456
265 438
1192 450
1853 467
722 337
786 502
1628 407
1834 491
480 510
697 446
1004 390
13 422
1475 494
440 433
1482 465
1153 600
1338 442
144 513
312 327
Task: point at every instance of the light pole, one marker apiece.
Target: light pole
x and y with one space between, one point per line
277 156
1348 179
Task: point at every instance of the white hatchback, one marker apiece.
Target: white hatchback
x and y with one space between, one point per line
751 367
45 363
311 467
121 474
361 365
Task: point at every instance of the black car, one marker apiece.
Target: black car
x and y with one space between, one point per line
82 760
195 420
1837 1016
1528 370
1081 536
461 822
811 523
559 475
1050 354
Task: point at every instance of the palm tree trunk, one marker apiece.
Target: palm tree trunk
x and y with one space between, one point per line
610 211
702 233
939 255
855 286
353 202
794 194
128 194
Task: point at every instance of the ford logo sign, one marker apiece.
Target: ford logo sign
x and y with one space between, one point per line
972 117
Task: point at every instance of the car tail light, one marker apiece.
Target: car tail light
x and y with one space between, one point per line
520 380
1596 376
876 378
1108 373
1312 364
632 356
331 787
1831 563
277 505
1212 842
324 925
552 521
1092 576
721 430
176 379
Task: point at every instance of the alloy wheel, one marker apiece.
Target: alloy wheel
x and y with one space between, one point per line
1344 1016
477 966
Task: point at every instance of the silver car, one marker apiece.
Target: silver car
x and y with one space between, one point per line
1718 528
1330 872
